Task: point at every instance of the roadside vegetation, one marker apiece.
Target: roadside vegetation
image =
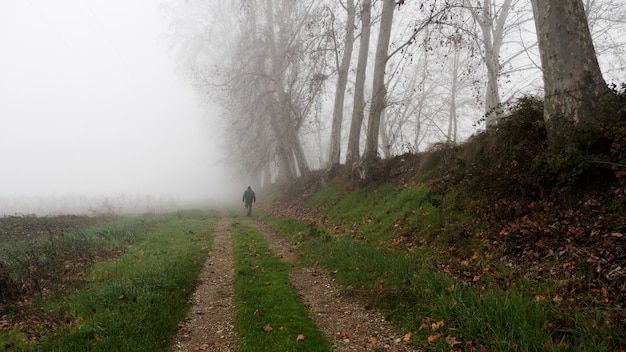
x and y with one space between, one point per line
270 315
504 243
130 297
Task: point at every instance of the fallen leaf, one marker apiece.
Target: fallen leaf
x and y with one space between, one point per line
373 340
436 326
407 337
433 338
617 234
267 328
300 337
451 341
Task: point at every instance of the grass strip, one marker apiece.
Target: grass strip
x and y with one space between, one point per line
134 302
270 314
442 312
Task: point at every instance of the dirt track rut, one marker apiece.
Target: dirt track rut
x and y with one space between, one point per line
344 317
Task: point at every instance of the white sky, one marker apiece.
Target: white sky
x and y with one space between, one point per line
90 103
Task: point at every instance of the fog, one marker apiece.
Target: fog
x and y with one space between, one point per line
92 108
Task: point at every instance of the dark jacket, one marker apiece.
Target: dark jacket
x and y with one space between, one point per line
248 196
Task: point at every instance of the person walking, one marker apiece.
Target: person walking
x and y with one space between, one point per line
248 199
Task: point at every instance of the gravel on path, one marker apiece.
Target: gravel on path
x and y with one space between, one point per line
210 324
343 316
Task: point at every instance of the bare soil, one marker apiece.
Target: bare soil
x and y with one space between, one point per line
342 315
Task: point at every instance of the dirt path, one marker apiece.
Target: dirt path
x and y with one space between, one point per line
210 324
341 315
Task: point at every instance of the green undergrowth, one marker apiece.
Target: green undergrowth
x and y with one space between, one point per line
411 288
270 315
36 262
382 211
132 302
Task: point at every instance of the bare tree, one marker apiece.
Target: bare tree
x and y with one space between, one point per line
378 86
495 23
342 79
358 108
607 23
269 80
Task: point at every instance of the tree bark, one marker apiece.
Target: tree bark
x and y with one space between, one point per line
493 34
573 81
378 89
452 119
340 93
354 139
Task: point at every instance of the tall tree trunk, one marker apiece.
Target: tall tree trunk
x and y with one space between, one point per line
572 78
421 101
378 89
340 92
277 119
493 32
285 173
452 129
290 149
298 150
354 139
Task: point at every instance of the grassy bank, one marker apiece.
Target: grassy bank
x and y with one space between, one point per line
506 242
441 306
132 302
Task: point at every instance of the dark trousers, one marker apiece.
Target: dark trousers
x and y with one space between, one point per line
249 207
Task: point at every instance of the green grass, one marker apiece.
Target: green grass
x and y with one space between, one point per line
270 314
38 262
133 302
413 291
380 211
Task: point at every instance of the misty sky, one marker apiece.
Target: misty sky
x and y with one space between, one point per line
90 103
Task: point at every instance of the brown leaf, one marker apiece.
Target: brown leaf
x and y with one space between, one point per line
300 337
407 337
433 338
267 328
436 326
373 340
451 341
